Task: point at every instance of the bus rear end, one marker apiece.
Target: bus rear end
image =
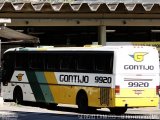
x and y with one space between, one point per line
136 77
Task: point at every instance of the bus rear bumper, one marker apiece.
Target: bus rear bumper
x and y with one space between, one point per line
136 102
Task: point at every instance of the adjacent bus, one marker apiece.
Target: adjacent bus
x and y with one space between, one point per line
114 77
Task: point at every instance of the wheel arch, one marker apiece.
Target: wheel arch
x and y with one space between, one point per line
17 89
81 92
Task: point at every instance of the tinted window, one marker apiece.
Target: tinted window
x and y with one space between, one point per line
67 62
21 61
104 63
36 61
52 61
85 62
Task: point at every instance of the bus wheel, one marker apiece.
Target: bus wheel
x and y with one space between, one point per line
82 102
18 95
118 110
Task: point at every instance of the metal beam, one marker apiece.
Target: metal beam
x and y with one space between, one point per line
75 15
85 22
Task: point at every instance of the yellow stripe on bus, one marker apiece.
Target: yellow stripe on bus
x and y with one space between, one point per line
51 79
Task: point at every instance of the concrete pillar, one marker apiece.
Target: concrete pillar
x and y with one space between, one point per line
102 35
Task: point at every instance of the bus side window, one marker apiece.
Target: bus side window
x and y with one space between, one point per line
104 63
36 61
85 63
109 63
52 62
100 65
67 63
21 61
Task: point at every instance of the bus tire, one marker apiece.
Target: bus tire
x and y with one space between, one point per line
18 95
118 110
82 102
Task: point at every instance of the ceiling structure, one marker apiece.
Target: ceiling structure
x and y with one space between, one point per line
47 13
81 12
78 5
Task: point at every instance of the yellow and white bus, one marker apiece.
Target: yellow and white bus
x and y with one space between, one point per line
114 77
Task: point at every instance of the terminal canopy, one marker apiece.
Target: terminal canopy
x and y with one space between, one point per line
16 36
76 5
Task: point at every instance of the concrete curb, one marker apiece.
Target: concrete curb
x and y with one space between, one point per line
1 101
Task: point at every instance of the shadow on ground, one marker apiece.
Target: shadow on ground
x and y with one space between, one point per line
67 113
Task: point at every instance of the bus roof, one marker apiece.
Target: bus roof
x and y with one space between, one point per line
98 48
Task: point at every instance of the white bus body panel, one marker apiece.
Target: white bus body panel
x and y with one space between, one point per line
7 91
129 70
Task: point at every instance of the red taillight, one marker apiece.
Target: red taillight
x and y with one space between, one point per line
157 90
117 89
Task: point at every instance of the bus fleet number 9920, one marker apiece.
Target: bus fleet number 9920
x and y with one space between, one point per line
138 84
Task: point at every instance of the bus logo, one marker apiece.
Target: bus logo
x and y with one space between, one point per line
138 56
19 76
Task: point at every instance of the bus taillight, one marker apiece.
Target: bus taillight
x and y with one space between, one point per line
157 90
117 89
